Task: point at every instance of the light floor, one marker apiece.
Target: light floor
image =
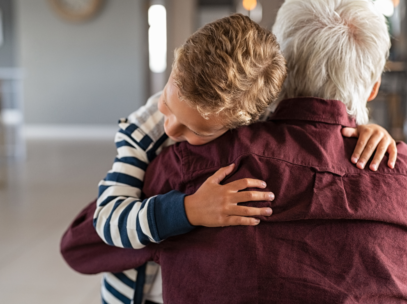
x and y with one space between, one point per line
37 203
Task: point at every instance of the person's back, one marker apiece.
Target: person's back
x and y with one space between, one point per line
337 234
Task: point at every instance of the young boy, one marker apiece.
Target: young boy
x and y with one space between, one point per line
224 76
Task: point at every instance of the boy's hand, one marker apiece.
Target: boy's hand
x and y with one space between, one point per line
371 137
215 205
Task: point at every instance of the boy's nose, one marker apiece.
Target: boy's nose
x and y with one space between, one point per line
173 128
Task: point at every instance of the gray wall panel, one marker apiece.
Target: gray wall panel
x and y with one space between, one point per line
7 49
87 73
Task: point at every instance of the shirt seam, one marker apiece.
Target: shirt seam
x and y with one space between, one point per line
314 119
296 164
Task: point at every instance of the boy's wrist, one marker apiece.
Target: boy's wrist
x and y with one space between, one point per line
169 215
189 202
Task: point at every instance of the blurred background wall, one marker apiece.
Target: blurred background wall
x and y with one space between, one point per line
389 109
8 48
82 73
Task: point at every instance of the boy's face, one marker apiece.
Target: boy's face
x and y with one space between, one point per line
184 123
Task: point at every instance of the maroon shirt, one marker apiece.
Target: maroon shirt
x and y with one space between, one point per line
337 234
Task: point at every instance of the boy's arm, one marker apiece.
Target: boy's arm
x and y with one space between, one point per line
85 252
121 218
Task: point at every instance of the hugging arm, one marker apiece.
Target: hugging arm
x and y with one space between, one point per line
85 252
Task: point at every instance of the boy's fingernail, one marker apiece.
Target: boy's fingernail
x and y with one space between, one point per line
256 221
271 196
269 211
354 160
264 184
360 165
231 165
373 167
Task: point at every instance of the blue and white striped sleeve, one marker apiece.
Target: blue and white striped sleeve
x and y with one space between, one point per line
121 219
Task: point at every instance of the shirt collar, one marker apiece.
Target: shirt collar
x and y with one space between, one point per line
314 109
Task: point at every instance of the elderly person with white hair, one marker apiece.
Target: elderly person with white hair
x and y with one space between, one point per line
338 234
335 49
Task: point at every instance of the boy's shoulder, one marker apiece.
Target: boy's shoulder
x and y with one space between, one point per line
146 121
154 99
141 115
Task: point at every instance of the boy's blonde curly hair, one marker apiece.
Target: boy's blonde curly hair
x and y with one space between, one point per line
231 67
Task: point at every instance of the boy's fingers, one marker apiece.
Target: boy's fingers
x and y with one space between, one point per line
368 151
241 221
360 147
380 151
392 150
244 183
350 132
250 211
248 196
220 175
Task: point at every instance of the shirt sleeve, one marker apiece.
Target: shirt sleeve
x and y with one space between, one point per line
121 218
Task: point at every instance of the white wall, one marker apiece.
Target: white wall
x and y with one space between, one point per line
89 73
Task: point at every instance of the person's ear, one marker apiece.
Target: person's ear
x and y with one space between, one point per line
375 90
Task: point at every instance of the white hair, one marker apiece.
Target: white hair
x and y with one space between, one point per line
335 49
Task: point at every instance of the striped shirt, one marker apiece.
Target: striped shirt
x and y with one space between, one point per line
122 218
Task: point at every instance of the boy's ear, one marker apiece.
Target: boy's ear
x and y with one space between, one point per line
375 90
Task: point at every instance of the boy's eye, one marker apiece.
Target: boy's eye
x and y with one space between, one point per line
200 135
